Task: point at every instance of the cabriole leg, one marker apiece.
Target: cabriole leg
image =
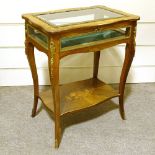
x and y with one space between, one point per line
129 54
54 78
29 50
130 50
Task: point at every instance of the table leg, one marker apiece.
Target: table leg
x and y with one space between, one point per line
29 50
96 64
53 61
129 54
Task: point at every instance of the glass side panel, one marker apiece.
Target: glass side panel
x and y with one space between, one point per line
81 40
76 16
38 36
93 37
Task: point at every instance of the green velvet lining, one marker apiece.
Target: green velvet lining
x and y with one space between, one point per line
90 38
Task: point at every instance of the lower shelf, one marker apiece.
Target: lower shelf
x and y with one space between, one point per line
79 95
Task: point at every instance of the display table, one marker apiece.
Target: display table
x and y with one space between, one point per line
64 32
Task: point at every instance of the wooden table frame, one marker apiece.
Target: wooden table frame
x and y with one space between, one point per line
55 54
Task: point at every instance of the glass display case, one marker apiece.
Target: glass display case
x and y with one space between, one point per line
78 30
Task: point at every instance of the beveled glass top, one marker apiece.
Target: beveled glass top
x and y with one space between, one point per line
78 16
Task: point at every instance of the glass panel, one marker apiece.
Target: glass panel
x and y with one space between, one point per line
93 37
83 40
76 16
38 36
